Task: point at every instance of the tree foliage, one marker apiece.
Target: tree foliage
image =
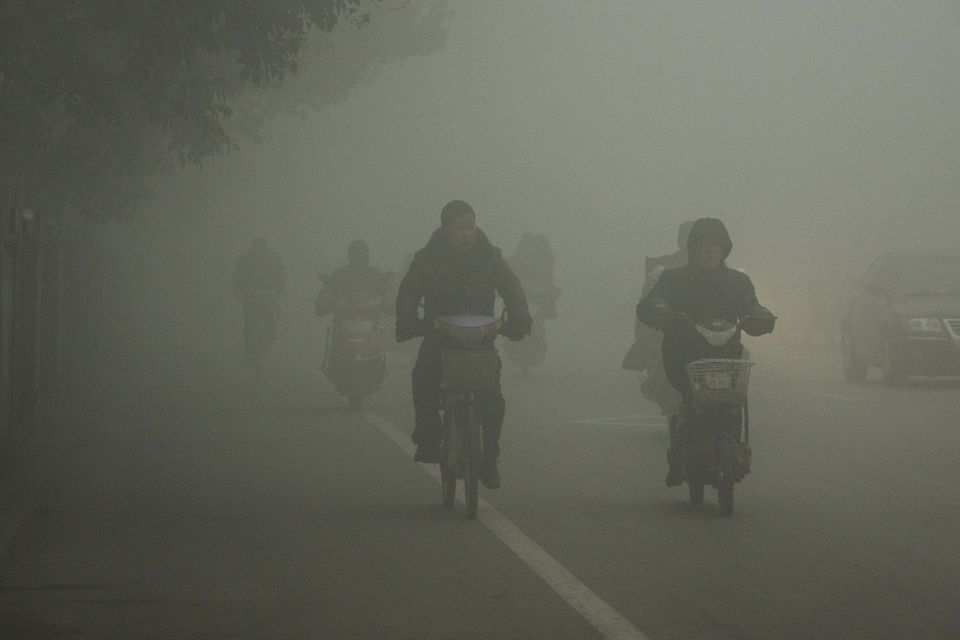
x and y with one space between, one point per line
96 94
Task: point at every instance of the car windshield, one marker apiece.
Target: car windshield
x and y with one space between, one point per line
928 277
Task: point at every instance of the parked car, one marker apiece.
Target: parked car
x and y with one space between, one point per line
904 317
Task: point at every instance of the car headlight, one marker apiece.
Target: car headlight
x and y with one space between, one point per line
923 325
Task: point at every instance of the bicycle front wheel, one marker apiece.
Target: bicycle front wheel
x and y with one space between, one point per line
471 478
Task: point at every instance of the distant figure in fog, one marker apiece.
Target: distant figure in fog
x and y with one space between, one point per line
654 267
458 272
357 276
533 263
355 294
258 280
644 355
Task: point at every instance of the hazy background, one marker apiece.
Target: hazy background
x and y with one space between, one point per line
821 132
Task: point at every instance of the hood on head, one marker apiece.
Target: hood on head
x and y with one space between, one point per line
706 227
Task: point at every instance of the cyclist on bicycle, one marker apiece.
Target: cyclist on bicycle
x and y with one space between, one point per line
458 272
705 288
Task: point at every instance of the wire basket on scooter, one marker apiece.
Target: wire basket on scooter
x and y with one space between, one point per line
719 382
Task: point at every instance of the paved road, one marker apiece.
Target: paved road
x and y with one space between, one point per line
188 501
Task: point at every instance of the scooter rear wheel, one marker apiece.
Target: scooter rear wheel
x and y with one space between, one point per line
725 480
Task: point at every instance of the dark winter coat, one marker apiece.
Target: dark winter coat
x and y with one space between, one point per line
451 283
700 295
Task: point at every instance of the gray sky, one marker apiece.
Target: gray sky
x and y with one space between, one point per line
820 132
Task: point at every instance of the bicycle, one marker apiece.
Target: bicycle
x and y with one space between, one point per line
469 371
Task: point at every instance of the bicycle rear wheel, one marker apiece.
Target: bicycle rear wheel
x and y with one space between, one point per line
471 478
448 455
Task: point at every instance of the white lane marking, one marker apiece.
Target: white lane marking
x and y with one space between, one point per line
646 420
595 611
831 396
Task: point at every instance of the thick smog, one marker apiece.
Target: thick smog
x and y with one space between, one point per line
446 319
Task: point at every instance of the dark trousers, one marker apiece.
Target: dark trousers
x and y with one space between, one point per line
428 401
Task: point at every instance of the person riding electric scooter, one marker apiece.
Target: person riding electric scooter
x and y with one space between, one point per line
702 290
354 360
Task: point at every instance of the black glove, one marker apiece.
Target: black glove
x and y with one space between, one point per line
758 322
516 328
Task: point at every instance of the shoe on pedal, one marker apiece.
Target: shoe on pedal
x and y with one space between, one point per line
429 453
490 475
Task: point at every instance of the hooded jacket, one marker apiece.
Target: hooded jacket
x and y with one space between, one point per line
450 283
701 294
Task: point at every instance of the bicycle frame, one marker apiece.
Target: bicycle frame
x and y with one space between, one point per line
468 373
462 449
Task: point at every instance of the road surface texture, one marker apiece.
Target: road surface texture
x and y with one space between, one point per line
186 499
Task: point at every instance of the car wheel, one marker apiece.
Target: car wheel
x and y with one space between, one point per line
854 367
893 368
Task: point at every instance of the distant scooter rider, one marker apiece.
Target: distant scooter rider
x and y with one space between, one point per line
703 289
644 354
355 295
258 279
533 263
458 272
356 276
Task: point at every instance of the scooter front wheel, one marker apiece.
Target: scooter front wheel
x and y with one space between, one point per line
725 480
